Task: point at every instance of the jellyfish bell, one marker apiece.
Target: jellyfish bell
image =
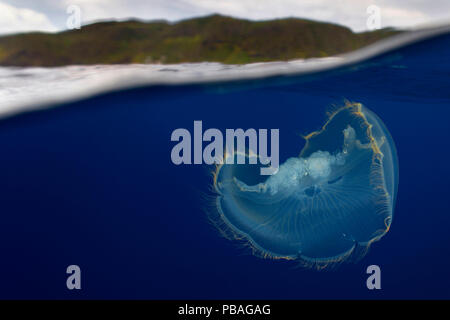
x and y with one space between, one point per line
324 206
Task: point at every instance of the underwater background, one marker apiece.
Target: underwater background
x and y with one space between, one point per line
91 183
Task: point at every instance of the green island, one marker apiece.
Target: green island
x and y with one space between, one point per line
212 38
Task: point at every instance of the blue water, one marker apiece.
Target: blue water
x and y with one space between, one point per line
92 183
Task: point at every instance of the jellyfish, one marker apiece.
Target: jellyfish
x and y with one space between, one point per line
323 207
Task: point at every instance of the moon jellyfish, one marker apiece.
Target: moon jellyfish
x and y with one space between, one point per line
323 207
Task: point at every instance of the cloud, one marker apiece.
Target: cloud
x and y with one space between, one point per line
403 17
351 13
14 20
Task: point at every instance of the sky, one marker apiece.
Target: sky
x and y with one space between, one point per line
51 15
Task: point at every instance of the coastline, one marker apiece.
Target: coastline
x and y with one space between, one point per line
50 86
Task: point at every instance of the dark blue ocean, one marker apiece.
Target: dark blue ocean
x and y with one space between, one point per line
91 183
